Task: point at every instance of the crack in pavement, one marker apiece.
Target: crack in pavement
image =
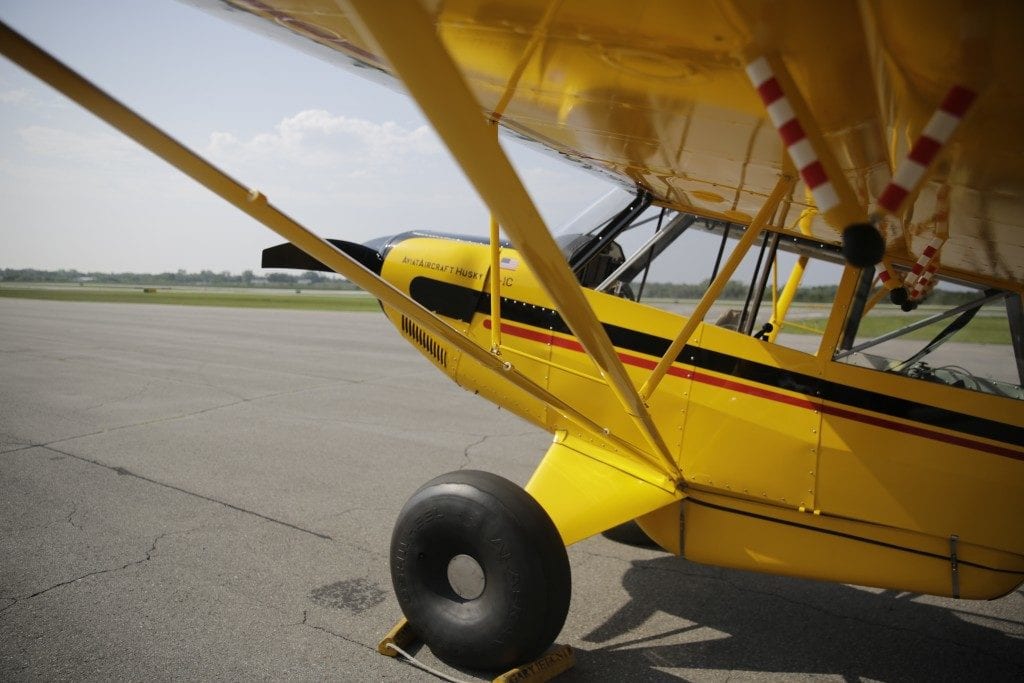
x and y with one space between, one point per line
59 518
138 391
147 558
187 363
305 622
241 400
483 438
70 517
24 447
467 449
124 472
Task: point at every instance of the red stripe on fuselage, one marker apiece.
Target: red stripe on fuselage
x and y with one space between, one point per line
723 383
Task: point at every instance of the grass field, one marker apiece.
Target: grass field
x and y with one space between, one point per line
981 330
313 301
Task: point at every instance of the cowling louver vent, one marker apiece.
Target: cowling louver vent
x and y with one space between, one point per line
425 341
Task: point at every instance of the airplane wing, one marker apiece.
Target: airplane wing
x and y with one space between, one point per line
658 95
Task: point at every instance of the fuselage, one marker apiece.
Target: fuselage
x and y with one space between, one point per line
811 467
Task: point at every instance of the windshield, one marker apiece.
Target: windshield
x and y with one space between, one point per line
595 216
588 241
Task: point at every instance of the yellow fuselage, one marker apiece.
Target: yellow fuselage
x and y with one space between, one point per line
792 463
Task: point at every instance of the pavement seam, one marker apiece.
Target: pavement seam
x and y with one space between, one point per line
124 472
91 361
174 418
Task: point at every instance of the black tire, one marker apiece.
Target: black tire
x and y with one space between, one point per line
526 580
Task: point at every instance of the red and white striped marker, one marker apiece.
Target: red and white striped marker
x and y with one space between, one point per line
925 283
887 277
924 270
927 146
780 111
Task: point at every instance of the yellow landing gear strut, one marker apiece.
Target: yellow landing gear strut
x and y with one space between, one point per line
558 659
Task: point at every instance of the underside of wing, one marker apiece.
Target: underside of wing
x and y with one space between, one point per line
656 95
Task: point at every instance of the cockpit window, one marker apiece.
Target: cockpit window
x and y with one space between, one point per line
595 217
960 335
594 255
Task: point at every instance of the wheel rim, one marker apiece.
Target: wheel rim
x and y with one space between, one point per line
466 577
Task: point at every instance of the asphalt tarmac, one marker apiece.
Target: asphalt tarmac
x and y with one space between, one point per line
200 493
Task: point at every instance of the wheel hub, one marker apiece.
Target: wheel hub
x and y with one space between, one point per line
466 577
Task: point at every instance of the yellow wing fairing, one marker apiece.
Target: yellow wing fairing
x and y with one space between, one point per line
339 37
585 491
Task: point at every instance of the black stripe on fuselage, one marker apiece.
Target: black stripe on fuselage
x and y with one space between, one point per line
725 364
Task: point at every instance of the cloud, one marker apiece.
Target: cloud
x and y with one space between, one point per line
88 159
342 176
21 93
316 139
320 165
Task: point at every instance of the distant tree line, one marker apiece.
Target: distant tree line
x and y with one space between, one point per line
309 279
825 294
734 290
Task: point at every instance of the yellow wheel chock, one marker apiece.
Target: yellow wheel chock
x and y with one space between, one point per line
557 660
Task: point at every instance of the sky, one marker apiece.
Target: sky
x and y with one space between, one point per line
346 156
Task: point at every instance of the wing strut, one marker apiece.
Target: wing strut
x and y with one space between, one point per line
38 62
863 244
495 282
406 36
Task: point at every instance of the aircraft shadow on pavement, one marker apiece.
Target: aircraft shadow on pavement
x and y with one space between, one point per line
741 621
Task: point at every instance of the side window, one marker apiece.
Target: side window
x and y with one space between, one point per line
781 292
960 335
798 299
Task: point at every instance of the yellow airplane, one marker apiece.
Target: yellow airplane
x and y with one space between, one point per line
879 141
